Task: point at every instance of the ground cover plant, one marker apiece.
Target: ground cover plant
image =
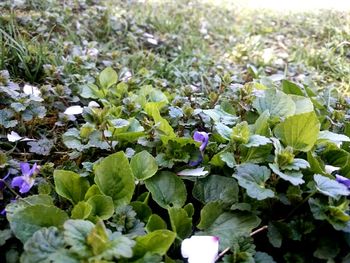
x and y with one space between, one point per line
172 132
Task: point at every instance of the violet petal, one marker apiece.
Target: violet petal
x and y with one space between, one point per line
34 169
343 180
17 181
25 168
25 188
202 137
196 162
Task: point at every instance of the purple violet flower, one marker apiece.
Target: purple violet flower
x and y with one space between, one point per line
196 162
343 180
202 137
26 180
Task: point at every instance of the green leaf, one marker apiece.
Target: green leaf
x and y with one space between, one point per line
302 104
71 139
70 185
241 133
228 158
180 222
108 246
210 212
81 210
257 140
97 239
125 221
41 147
253 177
142 210
162 124
294 177
262 257
102 206
274 235
299 131
167 190
336 157
5 235
314 162
189 208
156 242
336 216
25 222
261 125
134 131
75 234
256 154
297 164
224 131
226 225
108 77
143 165
216 187
291 88
114 178
333 137
96 139
46 245
6 118
218 115
155 222
22 203
93 190
330 187
328 247
276 103
95 242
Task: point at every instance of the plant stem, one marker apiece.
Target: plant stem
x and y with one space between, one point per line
251 234
298 206
11 190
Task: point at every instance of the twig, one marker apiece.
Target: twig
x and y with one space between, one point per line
11 190
298 206
251 234
258 230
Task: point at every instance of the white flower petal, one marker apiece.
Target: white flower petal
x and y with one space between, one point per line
330 169
152 41
148 35
73 110
14 137
92 52
31 90
25 139
93 104
200 249
126 76
193 172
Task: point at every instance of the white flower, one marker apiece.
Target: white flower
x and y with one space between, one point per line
31 90
152 41
193 172
92 52
74 110
93 104
200 249
126 76
330 168
13 137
